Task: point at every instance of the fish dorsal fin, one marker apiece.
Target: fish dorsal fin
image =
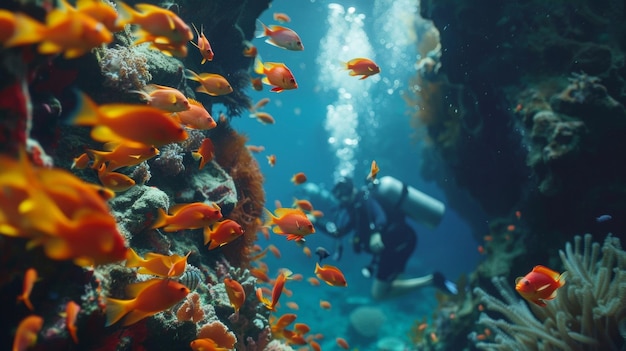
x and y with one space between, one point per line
547 271
285 211
176 208
195 102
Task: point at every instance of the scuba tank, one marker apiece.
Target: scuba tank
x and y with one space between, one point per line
395 194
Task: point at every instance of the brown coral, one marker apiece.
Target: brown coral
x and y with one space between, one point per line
233 156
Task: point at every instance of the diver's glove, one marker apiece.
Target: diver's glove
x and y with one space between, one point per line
376 243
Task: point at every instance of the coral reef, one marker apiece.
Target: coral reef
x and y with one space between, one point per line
567 75
38 98
585 315
366 321
234 157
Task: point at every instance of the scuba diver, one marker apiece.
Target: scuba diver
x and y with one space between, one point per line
380 229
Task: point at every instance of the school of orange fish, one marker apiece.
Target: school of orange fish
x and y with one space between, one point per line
53 208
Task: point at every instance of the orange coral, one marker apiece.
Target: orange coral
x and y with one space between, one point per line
191 309
234 157
219 333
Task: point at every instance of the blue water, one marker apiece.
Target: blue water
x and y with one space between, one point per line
371 116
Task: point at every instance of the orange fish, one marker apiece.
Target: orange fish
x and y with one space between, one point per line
30 277
281 17
263 117
128 123
291 222
304 205
373 171
69 32
206 344
101 11
362 67
331 275
53 208
118 155
249 50
8 25
204 153
149 298
306 251
259 274
299 178
539 285
271 160
284 321
317 213
274 250
210 83
157 264
518 214
236 294
510 227
188 216
257 84
255 148
26 334
81 162
225 232
481 249
71 313
341 342
164 98
292 305
115 181
325 304
203 45
314 345
281 37
197 117
156 25
279 284
276 74
260 104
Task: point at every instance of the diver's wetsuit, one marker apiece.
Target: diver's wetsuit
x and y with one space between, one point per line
365 216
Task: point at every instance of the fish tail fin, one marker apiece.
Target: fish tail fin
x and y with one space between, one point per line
98 157
189 74
115 310
270 218
133 259
207 232
258 65
28 31
86 113
261 30
126 14
562 279
142 95
196 155
26 300
161 220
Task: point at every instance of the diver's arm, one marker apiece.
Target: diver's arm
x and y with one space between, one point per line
377 221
